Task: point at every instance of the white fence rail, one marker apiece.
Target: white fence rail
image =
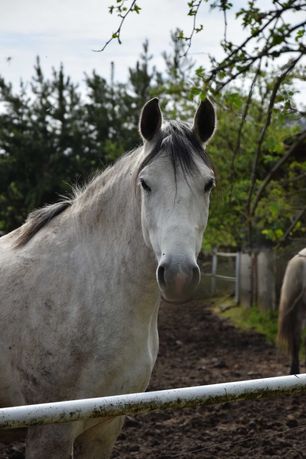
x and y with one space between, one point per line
74 410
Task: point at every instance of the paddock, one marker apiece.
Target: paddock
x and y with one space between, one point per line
198 348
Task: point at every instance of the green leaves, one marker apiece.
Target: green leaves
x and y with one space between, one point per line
299 34
281 201
54 136
222 4
49 138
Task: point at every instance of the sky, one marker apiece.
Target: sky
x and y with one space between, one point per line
67 31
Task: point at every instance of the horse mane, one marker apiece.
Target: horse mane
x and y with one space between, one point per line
38 219
176 138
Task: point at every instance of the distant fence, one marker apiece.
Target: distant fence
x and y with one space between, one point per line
256 276
74 410
214 272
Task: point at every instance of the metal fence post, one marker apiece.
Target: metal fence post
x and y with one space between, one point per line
237 275
214 272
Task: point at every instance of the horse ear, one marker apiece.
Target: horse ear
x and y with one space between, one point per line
150 119
204 121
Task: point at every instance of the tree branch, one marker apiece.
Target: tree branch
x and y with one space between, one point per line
268 50
244 115
250 61
117 35
231 58
225 24
275 168
277 84
194 9
297 217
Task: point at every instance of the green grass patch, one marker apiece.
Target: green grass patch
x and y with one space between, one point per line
253 318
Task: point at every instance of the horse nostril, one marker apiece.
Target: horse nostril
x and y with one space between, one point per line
161 276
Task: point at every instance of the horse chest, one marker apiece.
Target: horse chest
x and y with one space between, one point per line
135 375
134 359
119 352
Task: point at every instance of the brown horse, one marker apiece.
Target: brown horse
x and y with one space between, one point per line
292 308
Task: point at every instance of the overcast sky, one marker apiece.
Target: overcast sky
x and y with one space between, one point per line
67 31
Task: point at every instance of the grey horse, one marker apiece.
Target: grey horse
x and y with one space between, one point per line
81 281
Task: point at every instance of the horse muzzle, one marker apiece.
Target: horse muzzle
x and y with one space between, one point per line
177 281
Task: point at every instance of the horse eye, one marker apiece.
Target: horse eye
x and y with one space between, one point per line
209 185
144 185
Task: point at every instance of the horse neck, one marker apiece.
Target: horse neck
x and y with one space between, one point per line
108 214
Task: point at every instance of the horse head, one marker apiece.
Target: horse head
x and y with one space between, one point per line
175 178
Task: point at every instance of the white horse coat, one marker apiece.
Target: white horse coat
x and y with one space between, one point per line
79 295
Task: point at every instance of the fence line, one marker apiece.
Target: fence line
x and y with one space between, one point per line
214 272
74 410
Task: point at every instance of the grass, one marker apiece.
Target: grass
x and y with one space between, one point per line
253 318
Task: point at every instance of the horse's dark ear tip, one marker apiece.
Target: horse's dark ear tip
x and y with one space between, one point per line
205 120
207 102
150 119
152 102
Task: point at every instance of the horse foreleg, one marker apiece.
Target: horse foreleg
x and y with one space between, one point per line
97 442
52 442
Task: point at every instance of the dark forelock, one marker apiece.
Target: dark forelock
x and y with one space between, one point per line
177 139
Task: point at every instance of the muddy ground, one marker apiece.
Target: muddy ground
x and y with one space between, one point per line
196 348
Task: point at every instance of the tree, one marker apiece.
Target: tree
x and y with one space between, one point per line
274 44
51 137
280 208
40 144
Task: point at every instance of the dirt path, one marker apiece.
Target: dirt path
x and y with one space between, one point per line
198 348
